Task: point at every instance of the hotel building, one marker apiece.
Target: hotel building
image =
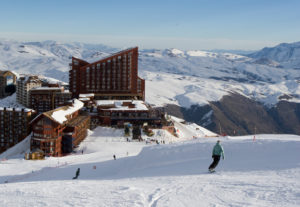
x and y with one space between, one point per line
24 85
113 77
44 99
14 126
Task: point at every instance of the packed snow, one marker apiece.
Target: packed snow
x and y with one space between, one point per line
256 172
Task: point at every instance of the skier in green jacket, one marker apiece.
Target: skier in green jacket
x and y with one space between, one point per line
216 155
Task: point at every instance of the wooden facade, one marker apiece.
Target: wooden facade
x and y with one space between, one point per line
49 133
75 132
114 77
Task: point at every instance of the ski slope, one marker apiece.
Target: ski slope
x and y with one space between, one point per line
264 172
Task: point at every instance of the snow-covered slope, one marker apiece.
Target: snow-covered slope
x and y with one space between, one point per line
264 172
172 76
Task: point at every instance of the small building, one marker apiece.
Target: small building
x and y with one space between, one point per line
44 99
116 112
58 131
35 154
7 78
14 126
24 85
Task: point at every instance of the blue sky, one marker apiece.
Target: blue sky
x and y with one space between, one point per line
186 24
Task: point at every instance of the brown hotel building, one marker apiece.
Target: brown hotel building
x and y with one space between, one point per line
44 99
114 77
14 126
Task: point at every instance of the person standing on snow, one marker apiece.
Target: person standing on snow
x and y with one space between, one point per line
216 155
77 173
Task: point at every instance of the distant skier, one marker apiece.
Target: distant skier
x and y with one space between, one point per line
216 155
77 173
114 157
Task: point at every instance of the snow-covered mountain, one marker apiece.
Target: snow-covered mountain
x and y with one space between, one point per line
184 79
196 77
48 58
285 54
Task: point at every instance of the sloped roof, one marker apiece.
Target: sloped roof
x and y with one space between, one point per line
109 56
60 114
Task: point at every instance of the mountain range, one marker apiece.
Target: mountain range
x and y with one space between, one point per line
225 92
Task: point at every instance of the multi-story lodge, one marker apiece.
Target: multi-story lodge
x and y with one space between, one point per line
24 85
44 99
116 113
58 131
114 77
6 78
14 126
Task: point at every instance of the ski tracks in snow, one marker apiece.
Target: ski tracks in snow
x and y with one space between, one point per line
214 190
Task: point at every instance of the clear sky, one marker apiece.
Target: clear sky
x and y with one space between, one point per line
186 24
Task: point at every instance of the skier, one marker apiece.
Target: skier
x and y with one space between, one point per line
77 173
216 155
114 157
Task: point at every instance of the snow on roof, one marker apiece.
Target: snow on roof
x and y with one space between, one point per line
47 88
60 115
17 109
86 95
51 80
84 99
118 105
